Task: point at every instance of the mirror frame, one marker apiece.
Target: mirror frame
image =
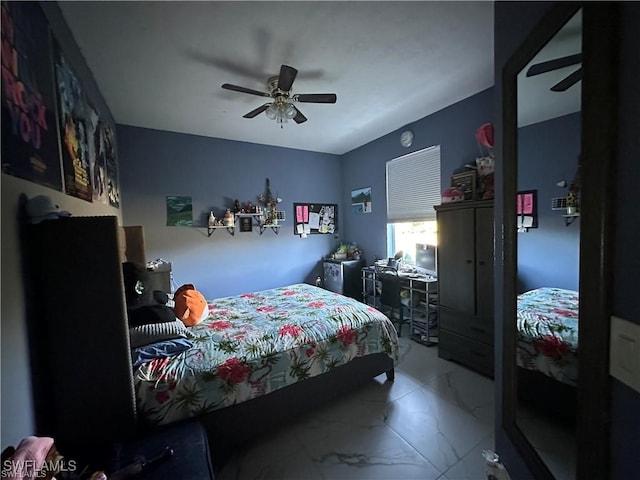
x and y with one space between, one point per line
598 145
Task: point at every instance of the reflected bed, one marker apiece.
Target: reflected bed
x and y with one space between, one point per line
548 333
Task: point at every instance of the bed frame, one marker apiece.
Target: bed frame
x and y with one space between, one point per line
231 427
548 395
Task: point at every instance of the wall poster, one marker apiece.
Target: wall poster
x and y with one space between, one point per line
111 165
361 200
179 211
75 116
29 128
102 164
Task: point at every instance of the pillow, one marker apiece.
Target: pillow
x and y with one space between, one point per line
157 332
146 314
190 305
166 348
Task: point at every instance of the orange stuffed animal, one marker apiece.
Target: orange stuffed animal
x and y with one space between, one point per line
190 305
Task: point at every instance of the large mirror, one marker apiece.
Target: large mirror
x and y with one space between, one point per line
549 129
558 132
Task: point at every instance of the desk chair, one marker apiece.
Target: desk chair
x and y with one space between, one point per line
390 295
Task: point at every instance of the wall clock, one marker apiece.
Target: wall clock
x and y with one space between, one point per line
406 138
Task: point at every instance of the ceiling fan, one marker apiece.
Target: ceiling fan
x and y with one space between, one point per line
282 108
555 64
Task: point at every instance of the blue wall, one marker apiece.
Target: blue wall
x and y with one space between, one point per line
214 172
548 256
453 128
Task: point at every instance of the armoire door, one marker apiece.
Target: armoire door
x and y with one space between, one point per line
456 258
484 263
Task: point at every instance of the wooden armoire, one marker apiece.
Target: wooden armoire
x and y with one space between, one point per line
465 278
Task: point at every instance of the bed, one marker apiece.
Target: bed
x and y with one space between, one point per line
291 343
547 348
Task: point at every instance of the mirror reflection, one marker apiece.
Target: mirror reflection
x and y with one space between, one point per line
549 125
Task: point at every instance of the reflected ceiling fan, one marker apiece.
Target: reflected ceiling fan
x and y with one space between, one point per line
556 64
282 108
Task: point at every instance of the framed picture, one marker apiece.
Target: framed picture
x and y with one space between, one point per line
246 224
361 200
465 181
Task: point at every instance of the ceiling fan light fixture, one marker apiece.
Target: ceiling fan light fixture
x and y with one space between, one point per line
272 111
281 109
289 111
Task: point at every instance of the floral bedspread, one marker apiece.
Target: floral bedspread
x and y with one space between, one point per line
255 343
548 332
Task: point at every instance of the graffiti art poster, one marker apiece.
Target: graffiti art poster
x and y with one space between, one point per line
75 129
29 129
97 164
111 165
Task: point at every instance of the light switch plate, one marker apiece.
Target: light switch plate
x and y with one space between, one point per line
624 352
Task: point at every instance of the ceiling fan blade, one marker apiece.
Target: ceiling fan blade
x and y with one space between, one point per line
568 82
299 118
256 111
554 64
316 97
286 78
236 88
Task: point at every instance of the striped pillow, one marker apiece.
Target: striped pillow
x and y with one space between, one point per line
158 332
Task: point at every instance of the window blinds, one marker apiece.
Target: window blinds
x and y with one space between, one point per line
413 186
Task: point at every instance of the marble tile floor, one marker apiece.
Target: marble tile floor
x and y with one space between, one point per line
432 422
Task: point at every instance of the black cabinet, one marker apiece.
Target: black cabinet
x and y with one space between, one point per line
465 276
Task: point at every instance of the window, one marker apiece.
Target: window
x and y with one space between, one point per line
404 236
413 189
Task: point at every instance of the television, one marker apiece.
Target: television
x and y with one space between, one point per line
426 259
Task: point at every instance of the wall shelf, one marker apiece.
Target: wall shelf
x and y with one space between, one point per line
275 228
569 219
212 229
257 218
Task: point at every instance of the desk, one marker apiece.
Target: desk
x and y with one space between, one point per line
419 296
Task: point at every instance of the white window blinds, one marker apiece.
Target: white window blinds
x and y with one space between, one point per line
413 186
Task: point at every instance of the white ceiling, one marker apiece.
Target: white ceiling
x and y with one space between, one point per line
160 65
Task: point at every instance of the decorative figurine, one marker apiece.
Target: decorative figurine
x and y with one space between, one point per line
228 219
